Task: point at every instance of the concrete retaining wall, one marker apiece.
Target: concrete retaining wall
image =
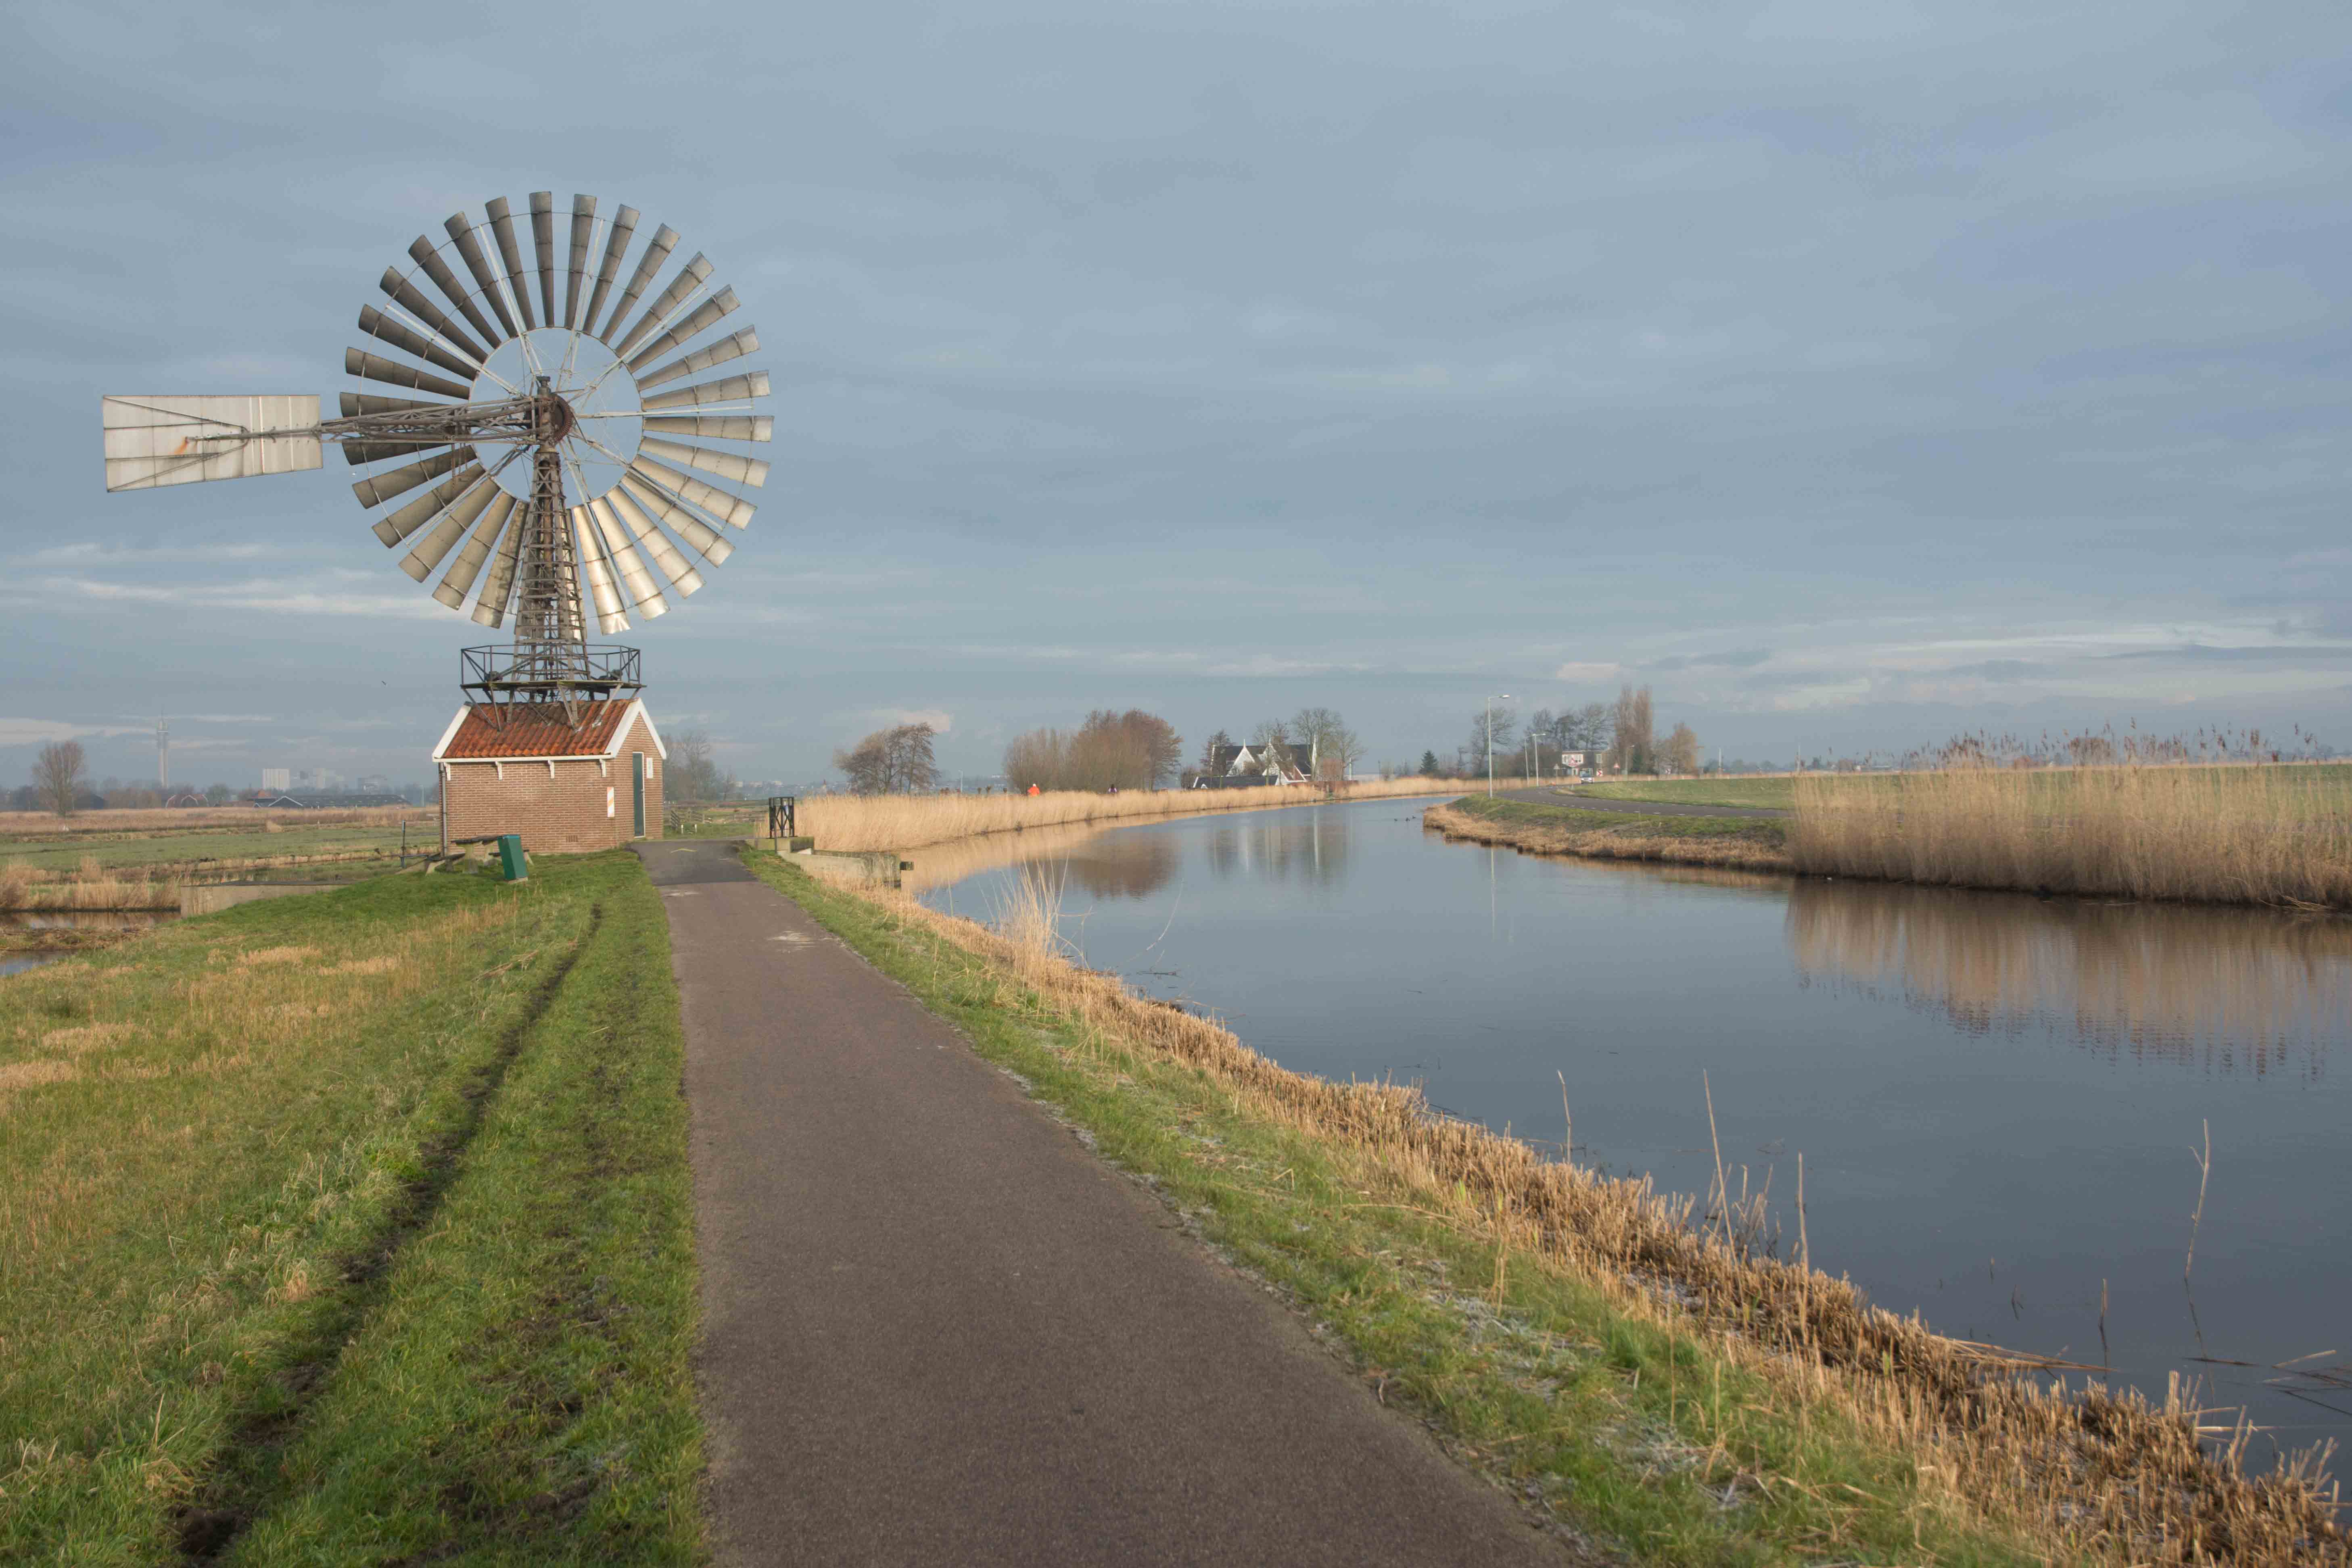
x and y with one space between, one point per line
215 897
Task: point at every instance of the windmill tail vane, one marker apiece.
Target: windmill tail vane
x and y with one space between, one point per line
552 483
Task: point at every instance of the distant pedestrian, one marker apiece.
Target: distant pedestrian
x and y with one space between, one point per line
1033 789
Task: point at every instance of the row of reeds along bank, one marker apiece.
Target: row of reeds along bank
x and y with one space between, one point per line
910 821
2271 834
1997 1459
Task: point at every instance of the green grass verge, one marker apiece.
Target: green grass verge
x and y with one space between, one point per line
1771 831
1659 1448
1777 792
352 1227
131 850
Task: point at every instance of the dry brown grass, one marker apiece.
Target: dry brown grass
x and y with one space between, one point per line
2266 834
909 821
153 886
46 824
91 888
1607 843
2102 1476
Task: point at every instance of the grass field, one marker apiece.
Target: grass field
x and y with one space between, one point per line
128 849
1635 1383
352 1228
1775 793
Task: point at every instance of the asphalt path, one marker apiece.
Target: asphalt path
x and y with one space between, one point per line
937 1329
1553 794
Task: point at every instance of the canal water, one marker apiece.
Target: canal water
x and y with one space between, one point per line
16 959
2003 1103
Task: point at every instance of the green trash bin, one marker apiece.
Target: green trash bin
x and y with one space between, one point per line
510 856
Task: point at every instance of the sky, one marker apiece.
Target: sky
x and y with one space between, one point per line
1854 375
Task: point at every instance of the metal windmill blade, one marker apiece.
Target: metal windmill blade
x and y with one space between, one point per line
512 442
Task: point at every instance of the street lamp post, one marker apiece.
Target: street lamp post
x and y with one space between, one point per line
1498 697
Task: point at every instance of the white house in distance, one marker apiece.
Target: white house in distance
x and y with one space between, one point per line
1253 767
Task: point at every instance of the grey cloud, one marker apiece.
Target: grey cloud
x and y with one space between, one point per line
2303 655
1369 364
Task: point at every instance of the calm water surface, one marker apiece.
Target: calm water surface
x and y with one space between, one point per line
1997 1097
16 961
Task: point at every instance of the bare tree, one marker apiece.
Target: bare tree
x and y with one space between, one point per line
1133 750
1506 720
1036 757
1213 754
1679 754
694 773
1632 746
1321 733
896 761
59 776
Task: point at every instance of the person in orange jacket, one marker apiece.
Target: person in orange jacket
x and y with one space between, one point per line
1033 789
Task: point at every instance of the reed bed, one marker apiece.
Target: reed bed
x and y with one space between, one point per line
2103 1475
91 886
2278 834
912 821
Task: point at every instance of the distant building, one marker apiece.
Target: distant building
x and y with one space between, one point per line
1245 767
524 768
277 781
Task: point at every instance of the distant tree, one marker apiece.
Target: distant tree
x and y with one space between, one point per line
61 774
895 761
1586 729
1133 750
1035 757
1680 751
1321 734
1631 747
218 793
1428 766
1505 737
1210 763
694 774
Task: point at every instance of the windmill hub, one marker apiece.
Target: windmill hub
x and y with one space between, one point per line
585 401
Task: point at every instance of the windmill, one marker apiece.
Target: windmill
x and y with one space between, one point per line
537 459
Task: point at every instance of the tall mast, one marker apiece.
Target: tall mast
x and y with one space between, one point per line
550 641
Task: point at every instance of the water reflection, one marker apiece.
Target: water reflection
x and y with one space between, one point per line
20 952
1303 847
2224 990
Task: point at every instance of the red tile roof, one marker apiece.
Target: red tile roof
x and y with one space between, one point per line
535 730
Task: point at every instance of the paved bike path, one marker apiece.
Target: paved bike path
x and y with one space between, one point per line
937 1328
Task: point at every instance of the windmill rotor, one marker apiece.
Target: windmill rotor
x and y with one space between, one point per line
546 456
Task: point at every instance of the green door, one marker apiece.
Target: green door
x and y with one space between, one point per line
637 794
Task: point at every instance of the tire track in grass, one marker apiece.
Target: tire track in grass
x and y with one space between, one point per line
244 1473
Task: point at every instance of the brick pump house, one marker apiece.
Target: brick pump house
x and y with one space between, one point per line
567 788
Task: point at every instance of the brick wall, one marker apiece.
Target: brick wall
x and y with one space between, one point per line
583 807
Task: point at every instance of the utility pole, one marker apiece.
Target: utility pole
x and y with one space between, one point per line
1498 697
